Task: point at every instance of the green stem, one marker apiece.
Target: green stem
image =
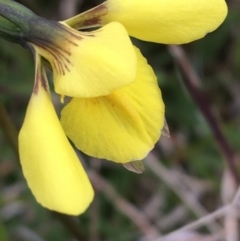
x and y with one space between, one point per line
8 27
16 13
23 24
13 20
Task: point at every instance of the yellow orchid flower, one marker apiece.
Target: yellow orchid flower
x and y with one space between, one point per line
161 21
50 165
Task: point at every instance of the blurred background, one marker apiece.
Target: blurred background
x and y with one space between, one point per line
187 176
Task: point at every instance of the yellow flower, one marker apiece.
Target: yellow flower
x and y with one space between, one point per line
116 111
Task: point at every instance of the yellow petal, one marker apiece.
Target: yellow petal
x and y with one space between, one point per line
123 126
162 21
90 64
50 165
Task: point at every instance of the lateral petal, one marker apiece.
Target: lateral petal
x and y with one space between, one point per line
52 169
121 127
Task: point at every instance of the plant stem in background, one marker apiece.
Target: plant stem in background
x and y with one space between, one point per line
191 81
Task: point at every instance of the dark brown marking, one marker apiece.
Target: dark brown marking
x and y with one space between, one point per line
37 79
93 21
93 16
44 81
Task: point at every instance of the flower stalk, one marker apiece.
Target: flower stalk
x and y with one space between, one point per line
17 17
21 24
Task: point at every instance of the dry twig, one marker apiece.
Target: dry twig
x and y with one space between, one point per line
129 210
234 206
192 83
173 182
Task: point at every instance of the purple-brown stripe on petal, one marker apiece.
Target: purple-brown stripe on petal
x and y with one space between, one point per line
89 18
95 15
44 82
93 21
40 80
